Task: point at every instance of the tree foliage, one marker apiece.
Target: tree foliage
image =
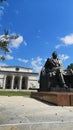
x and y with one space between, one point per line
2 0
70 66
5 40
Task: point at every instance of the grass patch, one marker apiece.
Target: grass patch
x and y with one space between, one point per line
14 93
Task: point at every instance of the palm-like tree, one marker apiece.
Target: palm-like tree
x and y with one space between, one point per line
5 40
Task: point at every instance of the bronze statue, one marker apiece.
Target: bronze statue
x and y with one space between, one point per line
54 77
54 65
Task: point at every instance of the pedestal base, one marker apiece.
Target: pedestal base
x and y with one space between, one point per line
58 98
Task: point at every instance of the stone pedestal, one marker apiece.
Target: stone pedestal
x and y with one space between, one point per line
57 98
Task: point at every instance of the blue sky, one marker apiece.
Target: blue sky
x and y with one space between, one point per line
43 26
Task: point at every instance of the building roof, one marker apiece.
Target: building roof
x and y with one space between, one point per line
15 66
17 69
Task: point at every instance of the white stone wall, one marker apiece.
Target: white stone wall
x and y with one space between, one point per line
33 85
33 82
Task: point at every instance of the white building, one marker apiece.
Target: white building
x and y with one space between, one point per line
17 77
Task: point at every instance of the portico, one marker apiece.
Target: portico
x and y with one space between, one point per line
15 82
21 78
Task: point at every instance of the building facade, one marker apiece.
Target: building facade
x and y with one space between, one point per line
17 77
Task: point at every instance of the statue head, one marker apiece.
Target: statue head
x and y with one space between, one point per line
54 55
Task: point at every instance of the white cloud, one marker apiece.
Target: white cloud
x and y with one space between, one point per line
2 38
10 51
3 64
63 57
23 60
37 64
25 43
45 59
8 57
1 11
16 43
38 34
68 40
59 45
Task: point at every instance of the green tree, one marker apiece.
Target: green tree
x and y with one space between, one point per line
5 41
70 66
2 0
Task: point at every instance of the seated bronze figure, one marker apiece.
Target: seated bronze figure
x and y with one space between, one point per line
53 77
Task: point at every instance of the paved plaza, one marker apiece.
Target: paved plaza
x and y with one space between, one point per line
24 113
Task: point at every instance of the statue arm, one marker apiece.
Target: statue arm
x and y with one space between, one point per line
61 64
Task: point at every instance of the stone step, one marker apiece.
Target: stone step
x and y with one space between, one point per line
39 126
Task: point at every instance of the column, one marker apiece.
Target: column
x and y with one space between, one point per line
27 83
20 83
12 84
4 84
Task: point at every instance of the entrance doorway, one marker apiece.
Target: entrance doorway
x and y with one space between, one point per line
8 82
24 83
16 82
